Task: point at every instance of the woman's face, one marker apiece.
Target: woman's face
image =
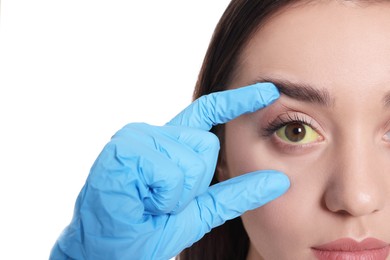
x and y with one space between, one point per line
329 131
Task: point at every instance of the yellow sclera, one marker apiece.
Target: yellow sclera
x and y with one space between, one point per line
297 133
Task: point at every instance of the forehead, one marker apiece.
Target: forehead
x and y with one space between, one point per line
329 43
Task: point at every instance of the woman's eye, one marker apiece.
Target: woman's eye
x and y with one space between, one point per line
297 133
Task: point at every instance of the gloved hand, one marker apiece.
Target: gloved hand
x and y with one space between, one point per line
148 196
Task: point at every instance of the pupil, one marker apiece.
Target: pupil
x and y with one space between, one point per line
295 132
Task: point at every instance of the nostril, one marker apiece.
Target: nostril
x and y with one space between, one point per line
343 212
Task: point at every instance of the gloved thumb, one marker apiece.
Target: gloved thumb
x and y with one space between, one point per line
231 198
225 201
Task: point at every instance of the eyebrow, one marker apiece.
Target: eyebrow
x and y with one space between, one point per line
302 91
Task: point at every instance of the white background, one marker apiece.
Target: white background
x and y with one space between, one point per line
72 73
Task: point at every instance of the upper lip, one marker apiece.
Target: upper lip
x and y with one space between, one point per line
351 245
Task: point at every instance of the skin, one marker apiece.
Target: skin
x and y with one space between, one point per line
340 181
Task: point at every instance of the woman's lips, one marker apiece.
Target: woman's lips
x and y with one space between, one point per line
350 249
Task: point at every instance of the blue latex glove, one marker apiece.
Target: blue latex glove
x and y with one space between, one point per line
148 196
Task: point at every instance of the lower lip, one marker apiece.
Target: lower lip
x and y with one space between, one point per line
377 254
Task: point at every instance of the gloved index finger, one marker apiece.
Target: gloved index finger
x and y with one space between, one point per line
221 107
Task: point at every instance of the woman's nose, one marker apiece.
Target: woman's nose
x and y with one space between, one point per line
357 185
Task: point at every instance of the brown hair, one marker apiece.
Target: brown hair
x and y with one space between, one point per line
239 22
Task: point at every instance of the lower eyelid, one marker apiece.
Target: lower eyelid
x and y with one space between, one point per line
295 148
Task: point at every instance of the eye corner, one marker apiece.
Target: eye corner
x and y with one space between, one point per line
386 137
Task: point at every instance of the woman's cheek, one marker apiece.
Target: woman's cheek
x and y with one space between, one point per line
273 227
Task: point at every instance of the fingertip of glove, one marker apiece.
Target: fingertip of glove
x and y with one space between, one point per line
268 92
273 184
279 181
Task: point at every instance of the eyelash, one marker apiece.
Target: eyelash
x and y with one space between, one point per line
286 119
